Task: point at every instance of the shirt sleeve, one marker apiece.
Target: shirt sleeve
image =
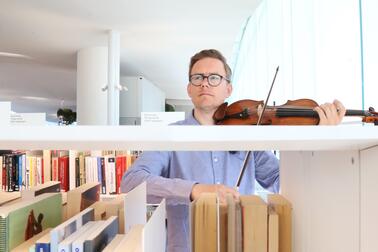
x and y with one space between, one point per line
153 167
267 170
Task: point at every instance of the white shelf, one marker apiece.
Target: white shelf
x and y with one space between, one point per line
190 137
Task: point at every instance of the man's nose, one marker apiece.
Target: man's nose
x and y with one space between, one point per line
205 81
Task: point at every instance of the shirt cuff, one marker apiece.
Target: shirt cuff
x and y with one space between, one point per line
183 189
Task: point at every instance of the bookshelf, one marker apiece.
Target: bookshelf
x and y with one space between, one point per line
284 138
328 173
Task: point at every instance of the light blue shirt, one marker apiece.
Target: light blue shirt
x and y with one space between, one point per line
172 174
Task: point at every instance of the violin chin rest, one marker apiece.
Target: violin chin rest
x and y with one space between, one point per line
220 113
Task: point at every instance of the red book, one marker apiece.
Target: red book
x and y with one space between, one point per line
63 173
119 173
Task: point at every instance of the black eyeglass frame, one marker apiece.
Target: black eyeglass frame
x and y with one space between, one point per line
207 77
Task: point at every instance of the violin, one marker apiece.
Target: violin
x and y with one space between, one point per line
293 112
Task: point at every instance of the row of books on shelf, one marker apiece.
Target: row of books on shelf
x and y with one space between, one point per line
246 224
25 169
43 220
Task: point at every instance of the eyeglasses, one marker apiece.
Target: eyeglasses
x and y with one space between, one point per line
213 79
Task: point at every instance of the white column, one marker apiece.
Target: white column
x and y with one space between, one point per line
113 80
91 101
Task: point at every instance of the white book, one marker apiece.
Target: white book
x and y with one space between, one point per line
72 168
23 185
47 165
66 244
78 243
65 229
39 170
88 169
94 169
110 174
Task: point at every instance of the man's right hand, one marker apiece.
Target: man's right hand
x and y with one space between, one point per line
219 189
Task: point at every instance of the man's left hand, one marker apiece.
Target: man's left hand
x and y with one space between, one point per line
331 113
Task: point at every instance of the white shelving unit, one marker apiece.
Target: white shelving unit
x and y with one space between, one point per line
328 173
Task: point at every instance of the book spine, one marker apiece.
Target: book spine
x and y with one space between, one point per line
16 172
64 247
103 176
10 173
38 177
63 172
20 174
112 173
42 247
77 247
23 171
99 172
119 173
77 171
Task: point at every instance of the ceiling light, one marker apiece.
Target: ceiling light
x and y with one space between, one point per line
14 55
35 98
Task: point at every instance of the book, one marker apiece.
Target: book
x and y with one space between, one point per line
82 197
110 175
222 227
255 224
63 174
43 243
99 238
72 169
273 230
205 223
284 210
23 247
231 223
48 187
22 220
114 243
66 244
66 228
46 165
78 243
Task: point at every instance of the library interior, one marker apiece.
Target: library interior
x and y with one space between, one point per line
179 126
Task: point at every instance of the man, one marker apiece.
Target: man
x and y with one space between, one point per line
181 176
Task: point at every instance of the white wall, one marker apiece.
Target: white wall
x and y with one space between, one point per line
142 96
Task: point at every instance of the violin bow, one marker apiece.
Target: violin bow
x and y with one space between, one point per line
245 162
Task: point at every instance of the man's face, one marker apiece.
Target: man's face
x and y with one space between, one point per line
206 97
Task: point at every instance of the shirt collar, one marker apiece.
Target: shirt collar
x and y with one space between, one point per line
191 120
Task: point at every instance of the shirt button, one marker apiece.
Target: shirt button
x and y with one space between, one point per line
215 159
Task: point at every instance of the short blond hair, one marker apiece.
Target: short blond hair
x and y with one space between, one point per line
210 53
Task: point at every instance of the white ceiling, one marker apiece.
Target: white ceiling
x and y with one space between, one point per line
157 40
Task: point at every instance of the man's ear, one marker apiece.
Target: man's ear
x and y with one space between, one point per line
229 90
189 90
